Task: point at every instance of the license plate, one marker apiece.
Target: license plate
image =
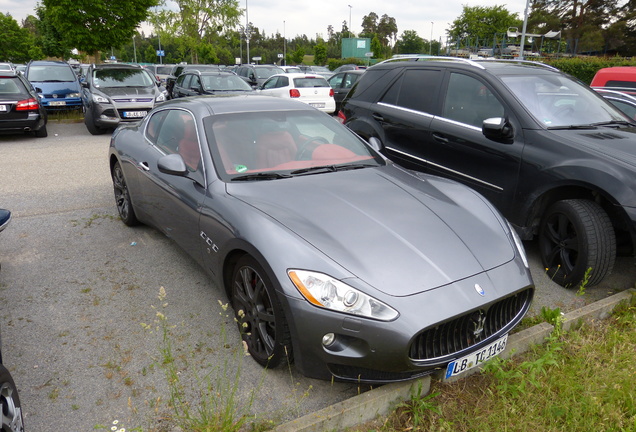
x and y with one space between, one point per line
317 105
3 108
57 103
135 114
471 360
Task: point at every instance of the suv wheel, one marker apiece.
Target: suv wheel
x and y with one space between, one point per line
577 235
90 124
10 402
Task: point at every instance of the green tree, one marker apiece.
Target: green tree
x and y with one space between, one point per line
16 42
369 25
94 25
376 47
482 23
195 21
320 53
387 30
298 56
410 43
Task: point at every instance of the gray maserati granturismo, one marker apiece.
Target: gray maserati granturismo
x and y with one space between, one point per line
332 257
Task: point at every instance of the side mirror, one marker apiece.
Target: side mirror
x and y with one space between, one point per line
84 83
498 129
172 164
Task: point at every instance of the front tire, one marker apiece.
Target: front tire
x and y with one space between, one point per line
10 402
90 124
577 235
122 197
259 315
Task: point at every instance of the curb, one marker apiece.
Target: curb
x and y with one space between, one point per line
378 402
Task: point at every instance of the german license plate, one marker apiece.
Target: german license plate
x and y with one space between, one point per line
3 108
135 114
317 105
57 103
471 360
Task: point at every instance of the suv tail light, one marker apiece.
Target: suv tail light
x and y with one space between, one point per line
27 105
294 93
331 92
341 117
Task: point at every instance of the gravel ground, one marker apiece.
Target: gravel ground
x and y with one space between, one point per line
79 301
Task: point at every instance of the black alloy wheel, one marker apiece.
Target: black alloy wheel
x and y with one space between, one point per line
10 401
577 243
260 318
122 197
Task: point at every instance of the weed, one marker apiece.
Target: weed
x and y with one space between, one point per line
584 282
418 406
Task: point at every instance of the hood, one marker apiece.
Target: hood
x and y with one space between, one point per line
619 144
398 233
127 92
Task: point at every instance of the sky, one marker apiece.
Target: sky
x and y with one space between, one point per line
311 17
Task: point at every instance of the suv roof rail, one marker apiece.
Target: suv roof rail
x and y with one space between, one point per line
473 62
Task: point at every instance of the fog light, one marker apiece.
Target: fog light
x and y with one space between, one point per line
328 339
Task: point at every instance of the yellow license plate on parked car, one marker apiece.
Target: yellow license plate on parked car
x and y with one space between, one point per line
471 360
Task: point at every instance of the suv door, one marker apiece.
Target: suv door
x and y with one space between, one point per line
457 147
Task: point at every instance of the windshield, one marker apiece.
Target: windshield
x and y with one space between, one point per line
557 101
265 72
278 144
104 78
224 83
51 73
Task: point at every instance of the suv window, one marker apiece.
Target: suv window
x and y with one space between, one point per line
469 101
417 89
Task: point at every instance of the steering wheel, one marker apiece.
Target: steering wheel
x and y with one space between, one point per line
306 147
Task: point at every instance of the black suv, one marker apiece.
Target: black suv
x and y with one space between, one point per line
177 70
21 108
194 83
256 75
556 158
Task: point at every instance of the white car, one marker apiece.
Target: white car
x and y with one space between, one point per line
311 89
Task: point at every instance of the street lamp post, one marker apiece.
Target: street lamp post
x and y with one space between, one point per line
523 30
284 45
247 33
350 7
430 49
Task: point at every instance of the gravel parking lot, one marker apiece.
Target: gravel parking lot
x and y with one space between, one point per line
79 301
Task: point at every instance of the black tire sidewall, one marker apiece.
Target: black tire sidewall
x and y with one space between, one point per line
7 380
597 242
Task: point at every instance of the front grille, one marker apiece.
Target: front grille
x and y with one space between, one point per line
133 100
470 329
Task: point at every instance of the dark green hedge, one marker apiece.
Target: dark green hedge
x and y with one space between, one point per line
584 68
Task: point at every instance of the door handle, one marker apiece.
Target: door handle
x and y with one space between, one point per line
144 166
440 138
377 117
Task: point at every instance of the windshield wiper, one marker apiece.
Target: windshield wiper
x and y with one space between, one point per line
573 127
329 168
261 176
614 123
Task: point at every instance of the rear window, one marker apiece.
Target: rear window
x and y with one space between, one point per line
310 82
10 86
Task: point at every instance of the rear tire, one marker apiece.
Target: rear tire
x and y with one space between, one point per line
10 401
577 235
122 197
42 132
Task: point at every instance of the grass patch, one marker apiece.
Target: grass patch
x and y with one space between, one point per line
582 380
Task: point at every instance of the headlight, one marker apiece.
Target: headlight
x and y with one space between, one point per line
519 245
326 292
73 95
100 99
161 97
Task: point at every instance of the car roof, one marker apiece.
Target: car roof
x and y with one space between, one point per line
116 66
496 66
238 104
49 63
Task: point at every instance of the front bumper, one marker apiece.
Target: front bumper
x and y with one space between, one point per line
433 329
110 115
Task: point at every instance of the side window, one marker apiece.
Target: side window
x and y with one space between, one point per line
336 81
186 81
180 80
416 89
270 83
154 124
195 83
178 134
469 101
282 82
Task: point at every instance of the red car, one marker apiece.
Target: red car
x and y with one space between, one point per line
621 78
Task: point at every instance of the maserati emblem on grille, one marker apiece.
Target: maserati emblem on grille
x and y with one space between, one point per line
477 321
480 290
